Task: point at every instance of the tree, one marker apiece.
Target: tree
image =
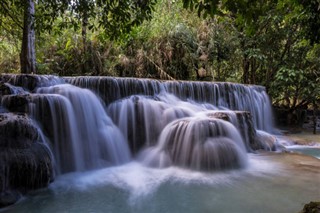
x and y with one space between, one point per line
117 17
28 51
279 45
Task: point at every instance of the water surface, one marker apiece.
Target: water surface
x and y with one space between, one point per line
273 182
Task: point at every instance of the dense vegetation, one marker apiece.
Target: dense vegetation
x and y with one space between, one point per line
271 43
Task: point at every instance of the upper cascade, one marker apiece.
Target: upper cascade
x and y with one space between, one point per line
31 82
222 95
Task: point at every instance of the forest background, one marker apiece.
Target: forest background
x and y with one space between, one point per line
273 43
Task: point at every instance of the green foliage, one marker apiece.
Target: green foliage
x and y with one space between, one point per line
166 44
63 53
204 8
271 43
116 17
9 56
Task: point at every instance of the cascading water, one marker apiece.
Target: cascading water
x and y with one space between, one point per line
227 96
141 119
84 137
199 143
200 126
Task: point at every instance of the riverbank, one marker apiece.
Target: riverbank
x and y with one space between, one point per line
303 137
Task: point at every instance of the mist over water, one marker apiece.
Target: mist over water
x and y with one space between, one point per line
136 188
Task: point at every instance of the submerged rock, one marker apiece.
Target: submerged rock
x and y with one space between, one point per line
8 198
25 160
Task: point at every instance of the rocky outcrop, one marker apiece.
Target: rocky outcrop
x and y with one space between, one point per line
30 82
312 207
242 120
25 160
16 103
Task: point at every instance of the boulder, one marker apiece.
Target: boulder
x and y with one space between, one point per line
312 207
242 120
16 103
25 159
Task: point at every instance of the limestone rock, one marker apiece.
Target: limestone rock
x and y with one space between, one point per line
242 120
25 160
30 81
16 103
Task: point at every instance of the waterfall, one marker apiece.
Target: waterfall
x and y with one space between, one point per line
222 95
199 143
141 118
84 135
93 122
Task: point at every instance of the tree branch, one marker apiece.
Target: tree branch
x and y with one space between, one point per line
7 12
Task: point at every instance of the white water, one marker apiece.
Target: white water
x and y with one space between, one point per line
227 96
84 137
179 134
266 185
199 143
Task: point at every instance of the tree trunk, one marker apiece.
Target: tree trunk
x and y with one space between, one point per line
246 69
84 31
315 108
28 52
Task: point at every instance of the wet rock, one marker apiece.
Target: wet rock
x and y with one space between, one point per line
16 103
30 81
17 132
242 120
8 198
25 160
312 207
24 80
266 140
4 89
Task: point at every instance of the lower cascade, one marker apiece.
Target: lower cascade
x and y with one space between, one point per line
110 121
199 143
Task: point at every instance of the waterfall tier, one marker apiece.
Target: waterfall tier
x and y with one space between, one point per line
228 96
82 134
199 143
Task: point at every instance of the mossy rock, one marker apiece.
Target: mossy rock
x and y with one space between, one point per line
25 160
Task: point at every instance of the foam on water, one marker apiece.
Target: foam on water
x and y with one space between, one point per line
140 181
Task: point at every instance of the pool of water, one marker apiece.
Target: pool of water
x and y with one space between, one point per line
273 182
306 150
